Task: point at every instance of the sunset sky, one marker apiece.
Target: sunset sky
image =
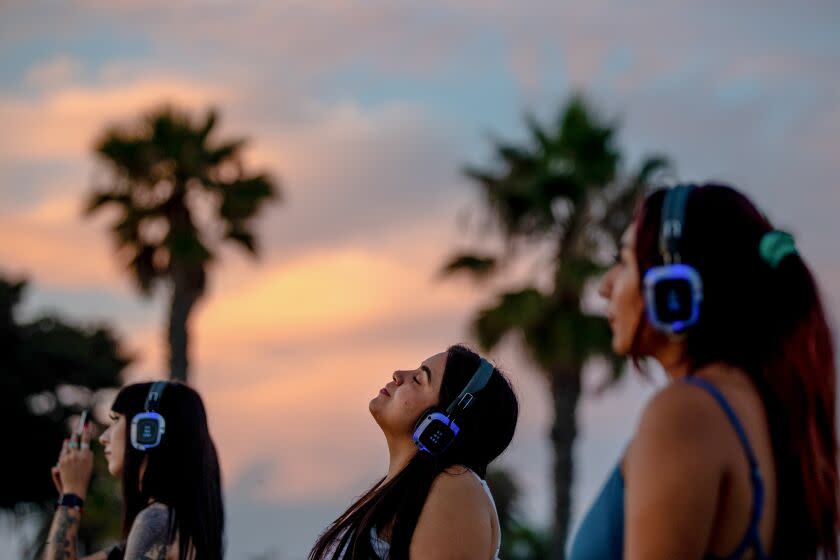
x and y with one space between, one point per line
366 112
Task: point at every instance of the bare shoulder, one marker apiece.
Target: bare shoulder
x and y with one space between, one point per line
681 416
674 470
454 521
683 405
458 483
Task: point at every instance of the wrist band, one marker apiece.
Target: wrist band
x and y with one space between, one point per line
70 500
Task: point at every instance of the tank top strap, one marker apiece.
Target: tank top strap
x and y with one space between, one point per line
752 536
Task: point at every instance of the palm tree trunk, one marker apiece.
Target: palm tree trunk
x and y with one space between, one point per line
565 388
183 300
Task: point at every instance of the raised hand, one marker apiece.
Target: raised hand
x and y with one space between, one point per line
75 464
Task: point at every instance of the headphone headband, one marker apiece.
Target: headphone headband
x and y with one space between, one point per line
155 393
673 291
148 427
478 382
673 220
436 430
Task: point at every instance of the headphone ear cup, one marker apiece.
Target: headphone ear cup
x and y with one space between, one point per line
421 418
146 431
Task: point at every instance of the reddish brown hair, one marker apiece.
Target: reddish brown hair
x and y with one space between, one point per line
771 324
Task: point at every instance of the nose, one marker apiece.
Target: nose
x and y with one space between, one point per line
104 439
397 377
605 287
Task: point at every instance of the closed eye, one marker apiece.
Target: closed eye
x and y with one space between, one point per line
416 380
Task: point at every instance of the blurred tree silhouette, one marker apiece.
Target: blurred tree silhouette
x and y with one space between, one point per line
519 540
50 372
558 198
180 194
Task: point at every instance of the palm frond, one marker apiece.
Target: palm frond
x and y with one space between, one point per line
512 311
477 266
244 238
98 200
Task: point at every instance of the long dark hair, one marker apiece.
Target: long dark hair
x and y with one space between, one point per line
770 323
182 472
486 430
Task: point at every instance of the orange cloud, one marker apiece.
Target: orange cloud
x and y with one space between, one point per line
305 421
50 243
63 124
304 410
321 293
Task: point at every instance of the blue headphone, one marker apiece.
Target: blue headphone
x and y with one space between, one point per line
148 427
673 291
436 430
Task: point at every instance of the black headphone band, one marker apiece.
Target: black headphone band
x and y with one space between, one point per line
155 393
476 383
673 222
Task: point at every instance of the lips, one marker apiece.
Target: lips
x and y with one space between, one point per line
384 391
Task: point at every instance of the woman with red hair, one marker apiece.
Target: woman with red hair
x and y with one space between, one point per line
737 456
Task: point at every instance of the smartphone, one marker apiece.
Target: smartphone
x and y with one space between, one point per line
82 420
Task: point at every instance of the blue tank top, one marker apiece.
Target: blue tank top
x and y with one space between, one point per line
601 533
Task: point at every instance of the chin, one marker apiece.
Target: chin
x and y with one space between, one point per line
374 406
620 347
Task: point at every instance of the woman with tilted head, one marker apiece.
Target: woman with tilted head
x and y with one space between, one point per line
444 422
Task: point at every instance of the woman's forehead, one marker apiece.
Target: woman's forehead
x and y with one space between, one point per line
436 364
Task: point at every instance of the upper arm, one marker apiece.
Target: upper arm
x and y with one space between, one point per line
149 535
101 555
673 473
454 523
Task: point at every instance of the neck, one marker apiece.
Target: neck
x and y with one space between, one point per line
401 450
671 356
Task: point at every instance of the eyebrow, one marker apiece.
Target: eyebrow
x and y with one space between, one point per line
428 371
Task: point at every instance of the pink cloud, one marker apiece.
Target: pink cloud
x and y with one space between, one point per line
50 243
62 124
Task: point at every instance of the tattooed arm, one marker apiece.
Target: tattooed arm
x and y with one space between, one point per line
149 535
71 476
61 543
148 539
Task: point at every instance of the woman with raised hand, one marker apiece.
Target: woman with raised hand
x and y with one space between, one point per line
736 457
159 445
444 422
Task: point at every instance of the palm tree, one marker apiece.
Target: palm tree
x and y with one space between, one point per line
520 541
559 194
179 194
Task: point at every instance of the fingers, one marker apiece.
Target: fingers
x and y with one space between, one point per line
64 448
56 478
85 438
74 441
75 467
